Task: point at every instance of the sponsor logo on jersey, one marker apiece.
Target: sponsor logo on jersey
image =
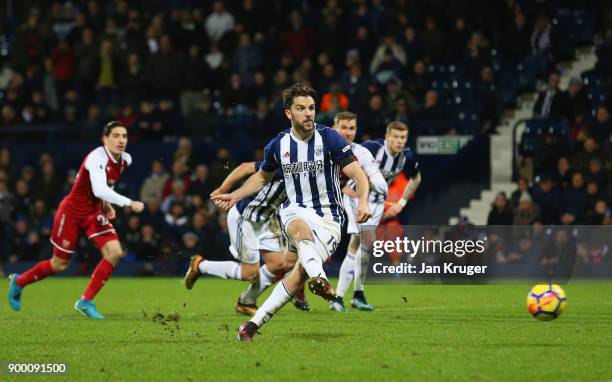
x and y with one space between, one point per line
306 166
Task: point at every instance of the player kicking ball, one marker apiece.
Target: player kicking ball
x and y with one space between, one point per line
362 235
87 210
311 157
255 234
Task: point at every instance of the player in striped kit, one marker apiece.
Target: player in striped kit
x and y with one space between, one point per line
311 157
255 234
392 157
345 123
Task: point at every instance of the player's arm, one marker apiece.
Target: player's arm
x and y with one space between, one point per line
245 169
354 171
408 194
252 185
378 184
101 190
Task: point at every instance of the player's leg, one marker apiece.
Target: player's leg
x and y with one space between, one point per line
63 238
281 294
244 248
346 274
38 272
362 259
347 268
310 257
275 264
111 255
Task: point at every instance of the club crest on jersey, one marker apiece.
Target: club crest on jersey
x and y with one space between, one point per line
286 154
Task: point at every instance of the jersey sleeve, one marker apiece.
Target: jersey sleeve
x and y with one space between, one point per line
367 162
371 146
270 162
96 166
411 166
339 148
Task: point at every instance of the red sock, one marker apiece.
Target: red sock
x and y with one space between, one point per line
34 274
103 271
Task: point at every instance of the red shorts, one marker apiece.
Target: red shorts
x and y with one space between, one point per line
67 228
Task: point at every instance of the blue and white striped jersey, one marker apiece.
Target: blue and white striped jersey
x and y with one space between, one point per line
311 169
391 165
264 205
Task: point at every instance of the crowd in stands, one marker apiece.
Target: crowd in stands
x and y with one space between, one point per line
194 69
216 70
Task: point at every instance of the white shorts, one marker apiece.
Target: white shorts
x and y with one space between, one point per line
350 205
247 238
325 230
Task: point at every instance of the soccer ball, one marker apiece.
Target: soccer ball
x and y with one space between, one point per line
546 301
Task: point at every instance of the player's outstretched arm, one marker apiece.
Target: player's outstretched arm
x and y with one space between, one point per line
409 191
354 171
245 169
254 184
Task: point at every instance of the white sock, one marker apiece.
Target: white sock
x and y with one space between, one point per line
223 269
279 297
362 258
256 288
347 270
310 259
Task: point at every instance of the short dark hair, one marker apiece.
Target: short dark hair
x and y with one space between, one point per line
299 89
110 126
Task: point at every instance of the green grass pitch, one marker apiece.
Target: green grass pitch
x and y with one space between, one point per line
418 332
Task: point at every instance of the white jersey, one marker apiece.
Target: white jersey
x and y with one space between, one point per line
370 167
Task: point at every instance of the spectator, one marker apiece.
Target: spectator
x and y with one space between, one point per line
179 172
601 128
527 212
48 183
333 101
222 166
516 38
107 71
375 119
298 41
199 182
148 247
419 81
573 201
153 215
178 195
364 45
176 220
204 120
548 198
564 173
581 159
434 40
501 212
219 21
133 81
390 54
578 103
163 71
152 186
551 103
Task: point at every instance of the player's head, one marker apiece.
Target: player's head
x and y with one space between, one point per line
396 136
345 123
300 106
115 137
